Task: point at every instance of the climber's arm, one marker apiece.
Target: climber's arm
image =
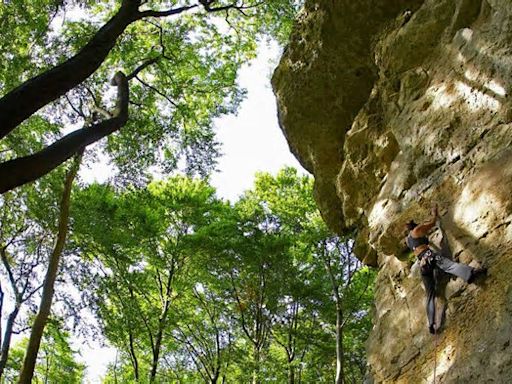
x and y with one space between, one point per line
423 229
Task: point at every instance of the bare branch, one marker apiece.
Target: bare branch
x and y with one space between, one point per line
160 35
207 4
169 12
77 110
22 330
12 280
93 96
142 67
33 292
157 91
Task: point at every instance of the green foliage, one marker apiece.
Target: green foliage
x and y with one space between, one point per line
140 240
173 102
56 361
236 291
28 223
250 297
24 25
182 283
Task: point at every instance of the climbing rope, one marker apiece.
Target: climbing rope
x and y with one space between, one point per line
436 277
435 355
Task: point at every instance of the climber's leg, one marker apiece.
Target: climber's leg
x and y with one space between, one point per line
430 290
460 270
440 301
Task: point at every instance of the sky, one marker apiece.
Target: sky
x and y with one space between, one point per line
251 142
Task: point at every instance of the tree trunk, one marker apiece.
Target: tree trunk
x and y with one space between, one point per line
291 373
156 353
217 367
133 355
340 376
256 361
161 324
6 344
27 371
115 367
47 371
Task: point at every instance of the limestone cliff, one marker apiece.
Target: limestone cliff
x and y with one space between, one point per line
393 105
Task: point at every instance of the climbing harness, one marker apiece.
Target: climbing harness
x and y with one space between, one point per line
427 262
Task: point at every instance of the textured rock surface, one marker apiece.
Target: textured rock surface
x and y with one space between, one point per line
393 105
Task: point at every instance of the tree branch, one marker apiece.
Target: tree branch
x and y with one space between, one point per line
78 111
22 170
207 4
170 12
29 97
172 102
41 318
37 92
7 267
142 67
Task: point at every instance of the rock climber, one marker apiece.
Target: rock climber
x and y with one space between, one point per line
430 261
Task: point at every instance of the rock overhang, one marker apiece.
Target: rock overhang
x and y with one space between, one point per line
421 114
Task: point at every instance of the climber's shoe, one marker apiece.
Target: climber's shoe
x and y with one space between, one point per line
476 273
432 328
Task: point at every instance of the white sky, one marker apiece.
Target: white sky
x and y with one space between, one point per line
252 141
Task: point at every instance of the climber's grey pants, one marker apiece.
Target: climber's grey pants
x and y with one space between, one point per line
460 270
429 281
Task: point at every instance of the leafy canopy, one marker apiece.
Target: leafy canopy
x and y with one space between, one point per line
195 56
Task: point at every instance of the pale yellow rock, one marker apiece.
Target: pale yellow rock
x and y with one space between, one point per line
393 105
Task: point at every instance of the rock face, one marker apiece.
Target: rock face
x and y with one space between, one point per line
393 105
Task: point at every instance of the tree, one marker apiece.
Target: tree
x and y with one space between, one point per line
288 200
27 228
315 254
182 57
259 290
205 333
255 267
260 255
21 271
350 289
140 240
41 318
